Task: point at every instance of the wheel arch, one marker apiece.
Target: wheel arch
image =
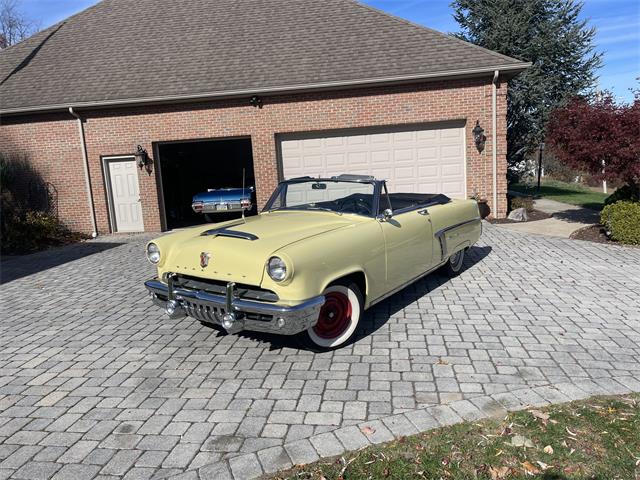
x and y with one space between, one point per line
357 276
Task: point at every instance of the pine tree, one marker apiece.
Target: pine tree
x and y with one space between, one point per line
548 33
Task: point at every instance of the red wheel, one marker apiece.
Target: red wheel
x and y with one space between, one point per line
338 317
334 317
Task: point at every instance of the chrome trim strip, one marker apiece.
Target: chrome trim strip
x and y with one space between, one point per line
440 235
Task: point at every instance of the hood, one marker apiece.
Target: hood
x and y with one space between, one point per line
242 260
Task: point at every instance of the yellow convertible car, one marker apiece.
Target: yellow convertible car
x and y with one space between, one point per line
321 252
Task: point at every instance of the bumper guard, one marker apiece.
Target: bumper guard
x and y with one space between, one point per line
232 313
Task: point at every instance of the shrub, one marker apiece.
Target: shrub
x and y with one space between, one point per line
622 221
33 230
522 202
626 192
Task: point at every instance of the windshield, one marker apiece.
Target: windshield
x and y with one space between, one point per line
329 195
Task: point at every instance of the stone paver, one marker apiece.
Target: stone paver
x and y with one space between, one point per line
95 381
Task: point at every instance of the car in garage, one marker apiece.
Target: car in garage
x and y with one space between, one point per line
321 252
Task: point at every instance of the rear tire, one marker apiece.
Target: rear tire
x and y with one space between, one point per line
453 267
338 318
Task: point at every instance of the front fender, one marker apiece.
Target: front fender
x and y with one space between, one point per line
321 260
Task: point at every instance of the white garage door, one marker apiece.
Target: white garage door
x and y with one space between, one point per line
421 160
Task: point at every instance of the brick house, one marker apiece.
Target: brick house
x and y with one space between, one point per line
274 88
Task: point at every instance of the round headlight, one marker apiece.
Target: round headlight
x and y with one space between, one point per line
153 253
277 269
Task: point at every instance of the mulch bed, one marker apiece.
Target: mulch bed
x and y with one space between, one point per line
533 216
592 233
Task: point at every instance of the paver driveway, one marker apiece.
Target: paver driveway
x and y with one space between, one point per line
95 381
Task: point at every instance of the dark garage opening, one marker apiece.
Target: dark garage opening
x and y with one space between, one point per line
192 167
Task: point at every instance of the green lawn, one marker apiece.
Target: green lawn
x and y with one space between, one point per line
572 193
595 439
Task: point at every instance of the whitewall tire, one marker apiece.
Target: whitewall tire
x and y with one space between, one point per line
338 318
454 265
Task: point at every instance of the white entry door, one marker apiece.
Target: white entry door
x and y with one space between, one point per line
125 195
423 159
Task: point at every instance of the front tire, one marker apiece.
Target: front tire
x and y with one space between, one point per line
338 318
453 266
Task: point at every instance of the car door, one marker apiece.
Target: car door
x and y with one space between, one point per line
408 238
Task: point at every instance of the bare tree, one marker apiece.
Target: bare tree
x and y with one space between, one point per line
14 25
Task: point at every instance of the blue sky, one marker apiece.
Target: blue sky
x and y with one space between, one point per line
617 22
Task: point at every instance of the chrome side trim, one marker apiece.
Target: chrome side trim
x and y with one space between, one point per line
224 232
440 235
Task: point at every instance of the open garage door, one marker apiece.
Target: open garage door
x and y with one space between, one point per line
192 167
424 159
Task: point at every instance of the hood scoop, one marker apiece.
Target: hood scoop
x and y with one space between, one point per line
225 232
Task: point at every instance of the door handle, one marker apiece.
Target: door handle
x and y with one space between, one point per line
424 212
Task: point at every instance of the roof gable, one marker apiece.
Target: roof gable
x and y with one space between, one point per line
121 50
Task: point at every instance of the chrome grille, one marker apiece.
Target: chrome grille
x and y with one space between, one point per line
205 313
211 314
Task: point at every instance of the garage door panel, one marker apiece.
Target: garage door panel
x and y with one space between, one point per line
358 159
451 170
426 135
381 156
428 154
379 138
420 160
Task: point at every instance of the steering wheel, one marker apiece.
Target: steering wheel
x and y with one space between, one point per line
355 205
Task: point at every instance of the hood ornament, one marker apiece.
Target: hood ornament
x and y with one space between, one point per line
204 259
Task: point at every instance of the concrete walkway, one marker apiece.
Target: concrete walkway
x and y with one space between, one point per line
565 219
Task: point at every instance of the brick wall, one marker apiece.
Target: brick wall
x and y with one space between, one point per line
52 141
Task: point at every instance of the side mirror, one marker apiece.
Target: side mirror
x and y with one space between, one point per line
387 214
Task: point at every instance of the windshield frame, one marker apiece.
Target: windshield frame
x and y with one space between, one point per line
282 188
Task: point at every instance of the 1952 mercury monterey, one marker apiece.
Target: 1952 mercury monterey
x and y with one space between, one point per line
321 252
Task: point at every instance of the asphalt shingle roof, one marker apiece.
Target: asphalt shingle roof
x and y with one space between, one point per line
122 50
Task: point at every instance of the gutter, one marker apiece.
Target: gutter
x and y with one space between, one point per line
336 85
85 161
494 139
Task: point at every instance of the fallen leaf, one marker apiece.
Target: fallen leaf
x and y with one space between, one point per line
520 441
570 432
540 415
498 453
542 465
368 430
442 361
498 473
530 468
548 449
386 472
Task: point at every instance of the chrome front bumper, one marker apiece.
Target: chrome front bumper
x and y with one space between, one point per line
232 313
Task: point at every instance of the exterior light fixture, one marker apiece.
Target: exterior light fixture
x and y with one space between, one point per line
479 137
143 160
256 101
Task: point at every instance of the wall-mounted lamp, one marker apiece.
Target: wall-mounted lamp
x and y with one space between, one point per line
479 137
143 160
256 101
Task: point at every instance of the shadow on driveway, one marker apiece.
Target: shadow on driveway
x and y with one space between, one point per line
15 267
370 323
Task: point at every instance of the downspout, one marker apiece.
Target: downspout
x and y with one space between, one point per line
85 158
494 140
